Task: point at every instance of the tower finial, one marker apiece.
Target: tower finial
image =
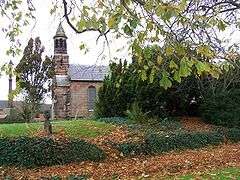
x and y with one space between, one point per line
60 31
11 63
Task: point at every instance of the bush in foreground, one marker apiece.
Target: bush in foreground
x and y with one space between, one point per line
34 152
180 141
113 120
233 135
222 108
155 143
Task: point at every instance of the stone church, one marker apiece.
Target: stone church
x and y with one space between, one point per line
75 86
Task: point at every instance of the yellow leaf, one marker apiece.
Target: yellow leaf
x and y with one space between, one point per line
112 22
173 65
169 51
159 60
177 77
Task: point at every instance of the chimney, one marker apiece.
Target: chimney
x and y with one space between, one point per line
10 99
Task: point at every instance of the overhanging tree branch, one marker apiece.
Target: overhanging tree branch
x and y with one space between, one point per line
66 16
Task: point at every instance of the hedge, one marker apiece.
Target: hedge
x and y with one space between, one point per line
233 135
222 109
34 152
181 141
132 148
113 120
155 143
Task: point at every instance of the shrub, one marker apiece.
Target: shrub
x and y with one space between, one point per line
132 148
116 92
34 152
13 117
160 143
155 143
114 120
222 108
169 124
233 135
135 114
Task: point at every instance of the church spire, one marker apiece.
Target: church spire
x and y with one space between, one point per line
60 41
60 31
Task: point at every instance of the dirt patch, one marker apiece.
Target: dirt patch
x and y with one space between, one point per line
195 124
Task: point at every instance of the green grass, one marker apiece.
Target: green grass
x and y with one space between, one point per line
77 128
221 174
83 128
19 129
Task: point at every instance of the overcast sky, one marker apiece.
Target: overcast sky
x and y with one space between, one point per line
45 28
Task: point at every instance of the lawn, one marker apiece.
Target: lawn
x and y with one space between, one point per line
73 128
227 173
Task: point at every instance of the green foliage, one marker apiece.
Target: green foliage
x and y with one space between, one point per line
33 77
135 114
142 27
155 143
13 117
131 148
222 108
114 120
116 93
233 135
169 124
180 141
34 152
26 112
123 88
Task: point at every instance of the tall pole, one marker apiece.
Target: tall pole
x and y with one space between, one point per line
10 99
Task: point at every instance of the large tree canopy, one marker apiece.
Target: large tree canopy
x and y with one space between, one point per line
188 31
34 74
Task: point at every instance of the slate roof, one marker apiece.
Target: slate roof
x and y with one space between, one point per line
87 73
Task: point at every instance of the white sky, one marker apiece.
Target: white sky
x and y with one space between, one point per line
46 28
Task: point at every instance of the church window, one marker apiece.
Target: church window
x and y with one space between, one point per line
56 43
61 43
91 97
61 61
65 44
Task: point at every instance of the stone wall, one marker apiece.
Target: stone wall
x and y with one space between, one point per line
79 98
61 104
61 64
61 92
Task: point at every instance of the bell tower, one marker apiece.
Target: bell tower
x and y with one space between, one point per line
61 83
61 58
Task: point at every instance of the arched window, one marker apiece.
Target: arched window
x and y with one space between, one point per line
61 62
91 97
56 43
61 43
65 44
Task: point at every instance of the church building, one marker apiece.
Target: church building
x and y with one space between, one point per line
75 86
